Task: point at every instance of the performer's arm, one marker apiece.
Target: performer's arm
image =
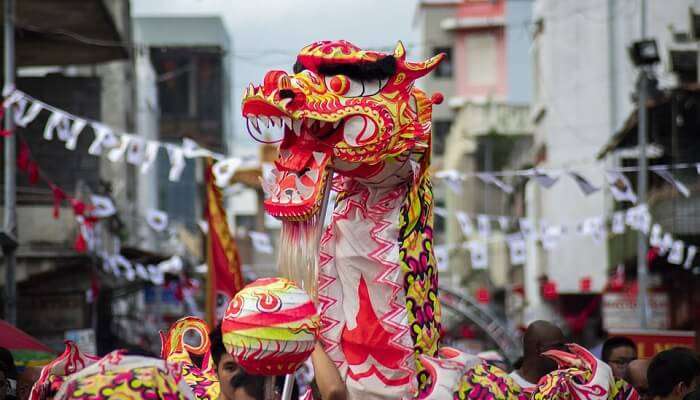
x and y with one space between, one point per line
327 377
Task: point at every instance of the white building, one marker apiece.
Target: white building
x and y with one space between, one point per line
582 94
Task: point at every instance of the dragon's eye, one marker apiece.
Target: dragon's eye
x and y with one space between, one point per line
339 84
344 86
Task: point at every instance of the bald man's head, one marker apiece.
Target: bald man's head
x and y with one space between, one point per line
541 336
637 376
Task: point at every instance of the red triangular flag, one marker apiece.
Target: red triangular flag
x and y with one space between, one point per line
23 158
80 243
33 170
78 207
58 197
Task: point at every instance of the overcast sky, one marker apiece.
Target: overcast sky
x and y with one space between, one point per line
266 34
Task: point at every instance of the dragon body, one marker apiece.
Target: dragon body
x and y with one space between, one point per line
357 115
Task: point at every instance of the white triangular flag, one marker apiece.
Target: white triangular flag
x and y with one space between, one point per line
106 263
52 123
618 222
26 118
224 170
526 227
479 254
172 265
504 223
675 256
543 179
620 187
141 272
13 98
690 256
261 242
465 223
104 139
490 178
452 178
201 268
584 184
149 156
441 256
155 274
113 266
666 243
678 185
190 149
517 249
483 223
177 162
655 237
117 153
75 130
440 212
551 236
157 220
135 150
203 226
103 206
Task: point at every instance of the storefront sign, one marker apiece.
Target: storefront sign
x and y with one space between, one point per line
620 311
650 342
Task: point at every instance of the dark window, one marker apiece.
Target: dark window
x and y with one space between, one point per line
444 69
441 128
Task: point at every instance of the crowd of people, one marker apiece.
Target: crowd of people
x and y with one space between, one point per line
672 374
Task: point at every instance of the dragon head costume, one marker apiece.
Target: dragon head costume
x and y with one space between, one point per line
354 118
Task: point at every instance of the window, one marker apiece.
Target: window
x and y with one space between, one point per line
482 59
444 69
441 128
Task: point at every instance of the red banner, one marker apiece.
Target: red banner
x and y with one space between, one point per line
650 342
224 278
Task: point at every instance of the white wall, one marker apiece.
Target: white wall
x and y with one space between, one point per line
577 93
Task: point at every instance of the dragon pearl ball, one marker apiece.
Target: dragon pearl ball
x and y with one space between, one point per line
270 327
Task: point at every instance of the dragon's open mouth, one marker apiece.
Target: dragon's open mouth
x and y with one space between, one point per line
295 188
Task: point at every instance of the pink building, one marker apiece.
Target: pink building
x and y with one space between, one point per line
479 38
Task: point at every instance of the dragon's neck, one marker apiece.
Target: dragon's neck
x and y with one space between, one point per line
377 273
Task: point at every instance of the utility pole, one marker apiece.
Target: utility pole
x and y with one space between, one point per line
642 267
9 232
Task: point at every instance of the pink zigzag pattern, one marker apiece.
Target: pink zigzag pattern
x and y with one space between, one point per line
381 255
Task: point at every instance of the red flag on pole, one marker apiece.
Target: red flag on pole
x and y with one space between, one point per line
224 277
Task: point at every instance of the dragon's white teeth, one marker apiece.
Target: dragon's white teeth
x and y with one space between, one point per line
276 121
254 121
321 124
284 198
310 122
318 156
335 124
312 174
296 126
284 102
264 120
296 197
287 121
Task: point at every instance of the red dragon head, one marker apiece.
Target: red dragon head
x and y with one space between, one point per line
345 109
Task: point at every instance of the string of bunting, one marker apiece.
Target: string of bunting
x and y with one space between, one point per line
618 183
118 146
518 231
